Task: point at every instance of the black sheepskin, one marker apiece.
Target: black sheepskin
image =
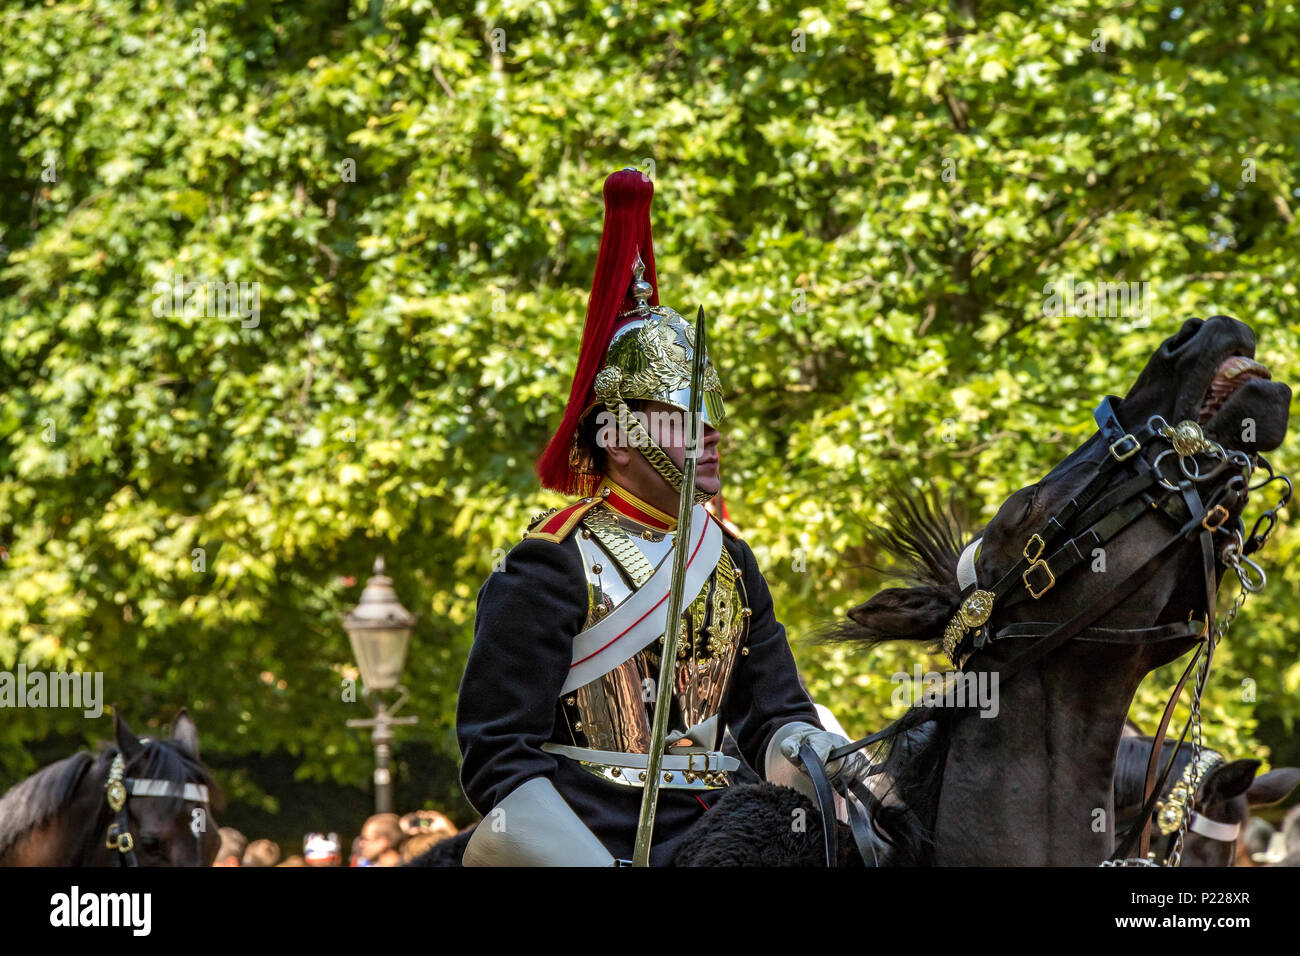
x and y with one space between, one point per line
447 852
754 825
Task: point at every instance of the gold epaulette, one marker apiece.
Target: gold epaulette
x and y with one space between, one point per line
556 525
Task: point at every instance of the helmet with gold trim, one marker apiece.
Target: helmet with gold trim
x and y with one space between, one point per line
633 350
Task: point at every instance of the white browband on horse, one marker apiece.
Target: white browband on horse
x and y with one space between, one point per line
966 565
165 788
1213 829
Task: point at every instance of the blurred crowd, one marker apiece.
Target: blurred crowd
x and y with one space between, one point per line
385 840
1265 846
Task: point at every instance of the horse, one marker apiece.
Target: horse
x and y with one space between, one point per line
143 802
1225 792
1157 524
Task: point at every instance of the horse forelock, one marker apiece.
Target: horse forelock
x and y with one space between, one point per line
164 760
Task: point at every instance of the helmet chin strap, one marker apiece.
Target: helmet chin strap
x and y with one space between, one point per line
630 426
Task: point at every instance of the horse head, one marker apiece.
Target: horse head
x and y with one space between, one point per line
1081 584
1207 374
167 805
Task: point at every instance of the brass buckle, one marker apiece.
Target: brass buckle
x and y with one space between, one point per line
1051 579
123 842
1028 544
1222 513
1133 450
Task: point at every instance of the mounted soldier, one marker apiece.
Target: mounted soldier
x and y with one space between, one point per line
559 694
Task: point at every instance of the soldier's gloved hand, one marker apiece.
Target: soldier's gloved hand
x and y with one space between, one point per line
848 768
701 736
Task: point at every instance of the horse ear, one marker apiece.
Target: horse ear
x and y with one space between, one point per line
186 734
1231 779
918 613
127 743
1273 787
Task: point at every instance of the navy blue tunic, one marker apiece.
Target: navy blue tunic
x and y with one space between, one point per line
509 704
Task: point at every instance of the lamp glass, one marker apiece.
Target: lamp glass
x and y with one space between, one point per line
380 654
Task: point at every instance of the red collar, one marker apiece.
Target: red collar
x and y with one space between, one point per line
623 502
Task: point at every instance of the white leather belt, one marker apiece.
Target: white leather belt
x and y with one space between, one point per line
706 762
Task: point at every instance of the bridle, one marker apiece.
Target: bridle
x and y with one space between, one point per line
1176 813
116 791
1123 488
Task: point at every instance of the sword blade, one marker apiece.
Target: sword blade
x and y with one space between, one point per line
668 660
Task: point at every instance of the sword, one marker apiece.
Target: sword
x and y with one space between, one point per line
668 661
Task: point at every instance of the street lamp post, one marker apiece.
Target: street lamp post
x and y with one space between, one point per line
379 629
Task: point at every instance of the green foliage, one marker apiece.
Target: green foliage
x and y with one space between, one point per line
867 198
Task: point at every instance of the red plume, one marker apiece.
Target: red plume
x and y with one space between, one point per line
627 232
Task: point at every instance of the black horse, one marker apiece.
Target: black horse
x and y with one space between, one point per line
1224 797
61 815
1033 786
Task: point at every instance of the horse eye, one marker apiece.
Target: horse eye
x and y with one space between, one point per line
151 844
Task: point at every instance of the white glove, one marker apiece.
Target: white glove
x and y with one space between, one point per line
787 741
701 736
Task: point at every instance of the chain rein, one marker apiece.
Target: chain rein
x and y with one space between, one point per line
1234 555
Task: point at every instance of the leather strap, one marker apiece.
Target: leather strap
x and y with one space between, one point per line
1193 500
1150 788
825 801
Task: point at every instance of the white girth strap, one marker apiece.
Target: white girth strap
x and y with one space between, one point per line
1213 829
966 565
165 788
643 617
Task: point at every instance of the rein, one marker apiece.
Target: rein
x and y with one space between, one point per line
1102 513
119 787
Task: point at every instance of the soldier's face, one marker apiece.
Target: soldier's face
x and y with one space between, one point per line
667 427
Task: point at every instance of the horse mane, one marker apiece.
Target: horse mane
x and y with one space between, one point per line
925 537
32 802
924 540
1131 769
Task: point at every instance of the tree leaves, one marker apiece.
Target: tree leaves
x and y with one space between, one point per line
870 224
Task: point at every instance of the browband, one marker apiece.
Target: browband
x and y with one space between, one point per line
165 788
1213 829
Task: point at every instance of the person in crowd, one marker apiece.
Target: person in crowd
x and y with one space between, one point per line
233 845
322 849
428 822
380 834
413 846
1291 838
261 853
